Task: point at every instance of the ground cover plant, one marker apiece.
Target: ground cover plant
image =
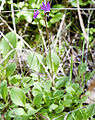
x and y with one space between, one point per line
47 60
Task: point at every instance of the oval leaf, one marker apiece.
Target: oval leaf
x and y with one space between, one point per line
4 44
55 61
10 69
37 100
3 89
17 96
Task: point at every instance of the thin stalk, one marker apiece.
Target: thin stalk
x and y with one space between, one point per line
83 50
82 78
49 46
71 68
13 16
87 44
43 40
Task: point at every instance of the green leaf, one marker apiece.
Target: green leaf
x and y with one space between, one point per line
31 1
55 61
17 96
44 112
82 68
67 102
42 22
70 117
59 109
90 110
24 117
53 107
14 79
17 112
32 111
56 18
83 99
58 93
26 79
36 89
10 69
34 62
47 100
81 2
4 45
57 6
89 75
37 100
34 76
71 68
27 15
3 89
47 86
79 115
61 82
70 89
2 106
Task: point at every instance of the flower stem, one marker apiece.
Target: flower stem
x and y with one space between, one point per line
49 47
43 40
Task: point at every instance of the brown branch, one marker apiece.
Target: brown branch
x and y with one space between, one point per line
81 21
42 116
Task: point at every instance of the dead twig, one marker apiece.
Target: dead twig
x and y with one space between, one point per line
42 116
7 55
60 29
2 4
13 17
40 31
81 21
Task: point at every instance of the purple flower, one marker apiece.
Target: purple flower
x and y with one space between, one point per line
46 8
35 14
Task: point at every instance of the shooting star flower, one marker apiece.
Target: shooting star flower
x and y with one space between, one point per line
46 8
35 14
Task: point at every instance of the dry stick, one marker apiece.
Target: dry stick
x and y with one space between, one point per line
13 18
6 39
81 21
82 24
42 116
73 111
42 38
28 47
60 29
50 9
7 55
14 26
2 4
87 45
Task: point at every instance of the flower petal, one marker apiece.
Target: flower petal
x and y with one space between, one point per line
43 4
48 5
46 8
35 14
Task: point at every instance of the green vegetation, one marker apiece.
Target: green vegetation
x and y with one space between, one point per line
46 62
